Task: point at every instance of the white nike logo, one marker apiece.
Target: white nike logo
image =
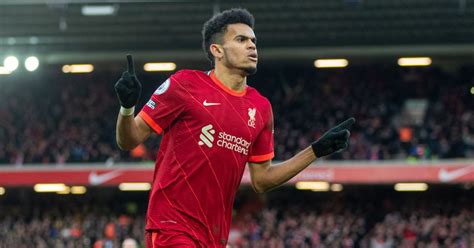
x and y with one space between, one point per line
95 179
205 103
447 176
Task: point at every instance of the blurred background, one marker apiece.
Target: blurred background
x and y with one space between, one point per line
403 68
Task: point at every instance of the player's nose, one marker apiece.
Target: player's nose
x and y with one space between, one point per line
252 45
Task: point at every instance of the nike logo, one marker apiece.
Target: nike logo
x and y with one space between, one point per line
205 103
447 176
95 179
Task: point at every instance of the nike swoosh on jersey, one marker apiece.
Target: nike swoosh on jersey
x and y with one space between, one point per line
206 103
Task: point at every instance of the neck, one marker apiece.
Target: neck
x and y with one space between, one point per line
232 78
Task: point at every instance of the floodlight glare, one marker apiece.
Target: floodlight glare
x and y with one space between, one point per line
10 63
331 63
160 66
31 63
98 10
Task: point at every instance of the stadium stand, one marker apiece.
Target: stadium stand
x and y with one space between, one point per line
75 122
360 216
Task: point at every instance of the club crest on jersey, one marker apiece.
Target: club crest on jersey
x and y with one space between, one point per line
163 87
252 112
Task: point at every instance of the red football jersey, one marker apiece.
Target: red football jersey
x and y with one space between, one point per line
209 134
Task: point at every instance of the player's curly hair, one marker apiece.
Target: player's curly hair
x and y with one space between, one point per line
214 29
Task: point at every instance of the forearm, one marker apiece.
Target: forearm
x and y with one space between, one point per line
266 176
277 174
127 132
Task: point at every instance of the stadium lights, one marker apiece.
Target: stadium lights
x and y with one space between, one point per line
98 10
314 186
330 63
414 61
134 186
49 187
31 63
411 187
10 63
2 190
4 71
161 66
66 191
78 190
78 68
336 187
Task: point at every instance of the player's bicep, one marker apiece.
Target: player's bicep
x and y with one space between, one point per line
259 167
143 129
258 170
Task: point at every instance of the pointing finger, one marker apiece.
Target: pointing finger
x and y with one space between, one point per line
345 124
131 67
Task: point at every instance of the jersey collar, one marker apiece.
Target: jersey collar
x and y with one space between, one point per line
224 87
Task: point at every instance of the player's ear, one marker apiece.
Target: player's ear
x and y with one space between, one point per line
217 51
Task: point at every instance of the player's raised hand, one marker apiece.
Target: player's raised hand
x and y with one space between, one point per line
334 140
128 88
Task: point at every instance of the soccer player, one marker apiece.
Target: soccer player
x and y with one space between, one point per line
213 124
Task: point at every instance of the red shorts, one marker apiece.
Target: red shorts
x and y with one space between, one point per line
169 238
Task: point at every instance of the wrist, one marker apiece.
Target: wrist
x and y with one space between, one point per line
127 111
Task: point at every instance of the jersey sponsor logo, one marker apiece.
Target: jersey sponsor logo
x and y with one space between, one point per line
224 140
206 136
206 103
252 112
163 87
151 104
234 143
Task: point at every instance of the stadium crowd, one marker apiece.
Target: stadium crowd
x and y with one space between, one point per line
283 218
347 230
55 221
62 118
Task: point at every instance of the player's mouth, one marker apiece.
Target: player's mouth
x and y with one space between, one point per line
253 57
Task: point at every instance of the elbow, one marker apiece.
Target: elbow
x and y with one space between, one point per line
125 147
259 188
260 191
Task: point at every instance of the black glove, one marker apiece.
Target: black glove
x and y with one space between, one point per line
128 88
334 140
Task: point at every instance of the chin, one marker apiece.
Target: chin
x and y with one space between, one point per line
250 70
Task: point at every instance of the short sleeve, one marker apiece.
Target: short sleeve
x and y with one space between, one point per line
262 149
164 106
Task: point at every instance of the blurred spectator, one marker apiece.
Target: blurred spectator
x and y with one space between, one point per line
129 243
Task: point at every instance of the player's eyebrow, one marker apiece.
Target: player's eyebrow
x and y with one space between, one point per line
253 39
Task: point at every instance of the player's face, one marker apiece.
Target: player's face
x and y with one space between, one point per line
240 49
